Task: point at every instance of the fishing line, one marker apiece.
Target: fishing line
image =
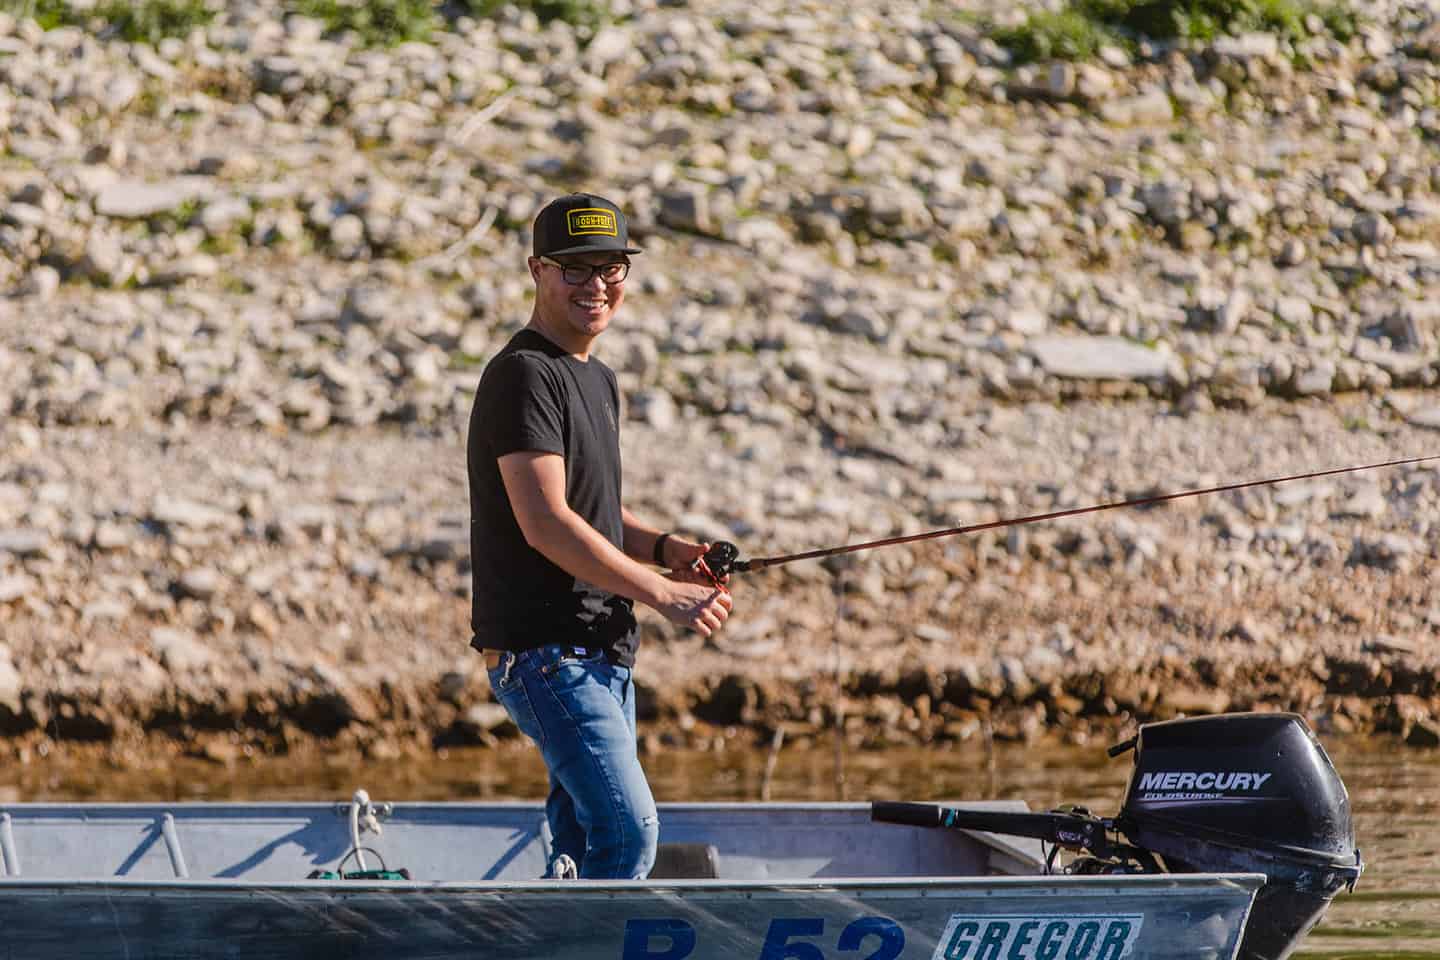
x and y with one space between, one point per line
724 557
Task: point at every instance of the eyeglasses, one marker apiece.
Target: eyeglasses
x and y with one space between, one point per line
578 274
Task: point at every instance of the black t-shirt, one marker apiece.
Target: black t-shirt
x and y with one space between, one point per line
533 396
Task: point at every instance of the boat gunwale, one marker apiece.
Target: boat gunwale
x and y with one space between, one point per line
504 805
1012 884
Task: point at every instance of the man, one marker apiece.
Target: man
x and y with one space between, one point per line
557 560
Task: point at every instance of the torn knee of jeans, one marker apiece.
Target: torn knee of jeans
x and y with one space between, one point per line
653 820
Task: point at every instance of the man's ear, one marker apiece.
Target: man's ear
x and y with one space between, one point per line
534 266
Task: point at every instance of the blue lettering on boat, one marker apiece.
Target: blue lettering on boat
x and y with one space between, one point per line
1094 936
678 938
788 938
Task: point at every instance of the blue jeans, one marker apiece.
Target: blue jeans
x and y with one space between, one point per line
580 711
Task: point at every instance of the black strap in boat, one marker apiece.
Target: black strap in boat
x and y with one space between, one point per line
1074 830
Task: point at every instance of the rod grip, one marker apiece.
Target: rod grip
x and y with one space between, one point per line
911 814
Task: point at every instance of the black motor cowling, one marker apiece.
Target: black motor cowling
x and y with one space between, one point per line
1252 793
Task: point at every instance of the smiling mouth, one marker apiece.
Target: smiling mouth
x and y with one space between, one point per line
598 304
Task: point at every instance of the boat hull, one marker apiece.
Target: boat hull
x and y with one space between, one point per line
1082 918
770 882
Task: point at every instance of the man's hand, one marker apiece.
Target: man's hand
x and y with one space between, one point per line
680 558
701 607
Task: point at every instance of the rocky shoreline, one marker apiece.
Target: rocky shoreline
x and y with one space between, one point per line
893 281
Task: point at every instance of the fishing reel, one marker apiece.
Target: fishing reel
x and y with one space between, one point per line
723 559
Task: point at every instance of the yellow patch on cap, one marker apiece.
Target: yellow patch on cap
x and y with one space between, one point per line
591 221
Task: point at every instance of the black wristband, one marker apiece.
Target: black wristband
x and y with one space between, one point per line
659 553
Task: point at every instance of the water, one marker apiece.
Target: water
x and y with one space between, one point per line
1395 792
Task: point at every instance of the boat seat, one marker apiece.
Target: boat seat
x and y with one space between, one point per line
686 861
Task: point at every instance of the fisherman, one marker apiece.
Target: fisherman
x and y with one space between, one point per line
557 561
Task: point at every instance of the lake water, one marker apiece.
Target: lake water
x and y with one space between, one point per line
1394 913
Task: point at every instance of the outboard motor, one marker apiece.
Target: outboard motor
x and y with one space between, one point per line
1246 793
1235 793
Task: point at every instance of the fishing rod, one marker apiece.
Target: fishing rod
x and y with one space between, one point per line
723 557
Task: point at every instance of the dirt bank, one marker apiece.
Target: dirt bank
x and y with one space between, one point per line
1314 597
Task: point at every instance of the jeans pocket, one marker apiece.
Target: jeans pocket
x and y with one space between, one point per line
513 696
560 661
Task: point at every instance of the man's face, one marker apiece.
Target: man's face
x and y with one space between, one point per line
583 309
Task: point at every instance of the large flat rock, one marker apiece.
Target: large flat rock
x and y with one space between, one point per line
1097 358
135 199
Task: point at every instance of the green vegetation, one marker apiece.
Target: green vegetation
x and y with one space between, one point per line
378 23
384 23
1069 34
460 360
587 14
1078 31
177 219
145 21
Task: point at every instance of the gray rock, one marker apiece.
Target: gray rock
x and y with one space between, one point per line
113 536
26 542
1295 311
347 232
372 306
1248 46
11 686
120 91
1233 312
863 321
1373 229
1292 253
1366 504
686 208
1317 380
201 583
178 650
1149 107
175 512
442 544
105 609
16 586
1026 320
657 408
197 266
933 634
1428 417
222 213
137 200
1390 552
314 520
42 283
1097 358
487 716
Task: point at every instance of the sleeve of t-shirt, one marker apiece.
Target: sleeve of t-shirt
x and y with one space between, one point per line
526 408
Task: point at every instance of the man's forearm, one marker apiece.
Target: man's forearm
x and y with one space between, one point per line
640 537
574 546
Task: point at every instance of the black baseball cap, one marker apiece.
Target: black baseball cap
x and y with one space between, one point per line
581 223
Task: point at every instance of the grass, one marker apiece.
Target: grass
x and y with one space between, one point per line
385 23
1080 29
173 221
1069 34
376 23
148 21
586 14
